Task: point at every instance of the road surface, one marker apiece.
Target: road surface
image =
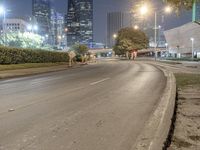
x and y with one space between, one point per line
96 107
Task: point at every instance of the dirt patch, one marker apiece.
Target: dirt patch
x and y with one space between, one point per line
187 130
181 143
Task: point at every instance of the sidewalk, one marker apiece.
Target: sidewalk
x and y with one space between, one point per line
33 71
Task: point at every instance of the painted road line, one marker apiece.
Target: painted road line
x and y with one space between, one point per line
97 82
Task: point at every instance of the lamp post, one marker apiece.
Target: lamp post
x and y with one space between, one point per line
192 39
66 30
143 11
3 12
32 28
136 27
114 37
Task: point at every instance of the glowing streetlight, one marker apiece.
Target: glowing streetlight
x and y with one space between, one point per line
35 27
59 37
29 27
32 28
136 27
168 9
114 36
143 10
66 29
2 10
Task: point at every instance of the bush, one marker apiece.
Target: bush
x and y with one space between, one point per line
78 58
10 55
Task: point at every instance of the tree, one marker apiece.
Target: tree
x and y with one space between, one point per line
179 4
23 40
81 50
130 40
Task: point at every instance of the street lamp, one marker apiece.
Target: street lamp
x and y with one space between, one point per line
29 27
192 39
143 11
3 12
136 27
35 27
66 30
32 28
114 36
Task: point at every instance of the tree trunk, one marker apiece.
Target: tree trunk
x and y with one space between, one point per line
127 55
82 58
70 62
135 54
132 55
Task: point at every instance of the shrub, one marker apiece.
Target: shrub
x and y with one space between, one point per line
9 55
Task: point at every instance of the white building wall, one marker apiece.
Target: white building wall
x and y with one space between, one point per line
179 39
15 25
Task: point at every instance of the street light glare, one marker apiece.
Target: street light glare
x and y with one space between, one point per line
115 36
29 27
192 39
2 10
66 29
168 9
143 10
35 27
136 27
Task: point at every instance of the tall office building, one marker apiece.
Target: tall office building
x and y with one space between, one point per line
57 29
41 11
116 21
196 12
79 22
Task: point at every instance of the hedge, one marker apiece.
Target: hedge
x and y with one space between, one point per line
9 55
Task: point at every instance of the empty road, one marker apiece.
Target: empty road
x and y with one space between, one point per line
102 106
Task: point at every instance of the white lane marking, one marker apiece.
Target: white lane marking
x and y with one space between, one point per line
97 82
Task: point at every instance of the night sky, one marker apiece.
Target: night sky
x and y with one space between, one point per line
101 7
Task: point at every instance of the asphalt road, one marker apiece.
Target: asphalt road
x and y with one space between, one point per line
96 107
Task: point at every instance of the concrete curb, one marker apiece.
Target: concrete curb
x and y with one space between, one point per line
156 130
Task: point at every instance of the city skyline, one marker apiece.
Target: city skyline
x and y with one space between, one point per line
100 12
79 22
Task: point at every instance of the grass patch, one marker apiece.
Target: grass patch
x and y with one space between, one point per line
184 59
171 63
181 143
29 65
187 79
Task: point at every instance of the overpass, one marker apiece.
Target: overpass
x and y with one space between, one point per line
104 52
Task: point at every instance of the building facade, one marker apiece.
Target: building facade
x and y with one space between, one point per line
196 12
116 21
179 40
41 11
57 29
79 22
15 25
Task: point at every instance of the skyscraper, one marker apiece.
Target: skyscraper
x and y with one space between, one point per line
196 12
116 21
57 29
79 22
41 11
